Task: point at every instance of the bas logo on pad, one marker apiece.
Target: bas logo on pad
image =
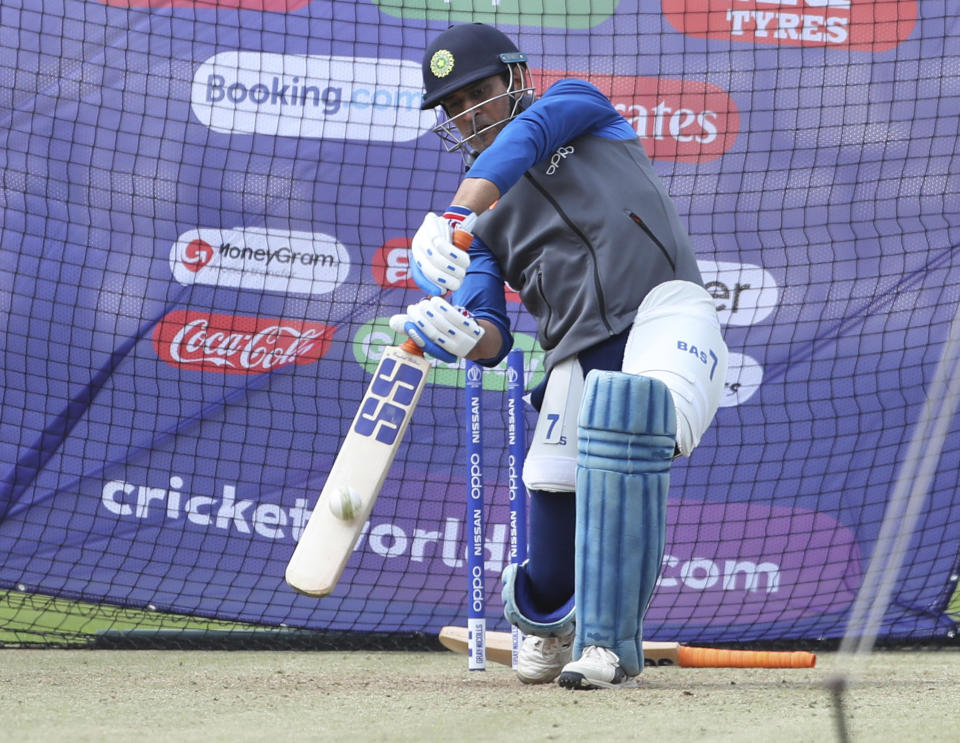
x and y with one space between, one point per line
862 25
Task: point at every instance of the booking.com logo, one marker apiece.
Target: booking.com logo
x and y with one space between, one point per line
310 96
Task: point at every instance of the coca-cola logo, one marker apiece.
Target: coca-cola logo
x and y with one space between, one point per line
236 344
197 254
680 120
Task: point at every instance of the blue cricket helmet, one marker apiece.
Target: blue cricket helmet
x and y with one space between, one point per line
464 54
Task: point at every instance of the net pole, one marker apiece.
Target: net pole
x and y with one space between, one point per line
900 519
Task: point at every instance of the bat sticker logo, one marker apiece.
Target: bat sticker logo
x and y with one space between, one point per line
385 407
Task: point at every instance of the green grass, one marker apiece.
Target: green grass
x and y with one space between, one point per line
953 608
35 620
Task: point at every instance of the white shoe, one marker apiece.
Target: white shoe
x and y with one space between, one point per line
597 668
541 659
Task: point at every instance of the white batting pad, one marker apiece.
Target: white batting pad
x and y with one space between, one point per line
676 338
551 463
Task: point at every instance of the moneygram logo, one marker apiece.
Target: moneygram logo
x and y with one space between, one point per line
278 6
571 14
863 25
235 344
680 120
311 96
261 259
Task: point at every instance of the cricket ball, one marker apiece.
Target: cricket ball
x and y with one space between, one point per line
345 504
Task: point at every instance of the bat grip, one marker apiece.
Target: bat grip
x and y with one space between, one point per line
462 240
692 657
410 347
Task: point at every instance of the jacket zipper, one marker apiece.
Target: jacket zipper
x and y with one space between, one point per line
643 226
593 253
546 303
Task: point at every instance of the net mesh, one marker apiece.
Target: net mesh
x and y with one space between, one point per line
204 215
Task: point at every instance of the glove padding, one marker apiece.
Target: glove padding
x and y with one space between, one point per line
437 265
440 329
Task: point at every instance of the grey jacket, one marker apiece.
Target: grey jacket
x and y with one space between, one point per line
583 237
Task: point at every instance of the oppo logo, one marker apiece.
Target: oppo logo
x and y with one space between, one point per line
559 156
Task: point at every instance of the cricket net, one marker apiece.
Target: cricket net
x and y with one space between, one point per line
204 213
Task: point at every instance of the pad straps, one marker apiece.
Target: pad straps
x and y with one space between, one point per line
627 432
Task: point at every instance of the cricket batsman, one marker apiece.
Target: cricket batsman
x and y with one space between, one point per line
563 204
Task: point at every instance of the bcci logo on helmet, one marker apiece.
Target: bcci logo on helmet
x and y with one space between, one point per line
441 63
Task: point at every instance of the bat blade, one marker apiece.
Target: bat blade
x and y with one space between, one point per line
500 648
499 645
360 468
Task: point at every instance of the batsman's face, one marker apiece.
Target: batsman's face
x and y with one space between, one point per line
479 111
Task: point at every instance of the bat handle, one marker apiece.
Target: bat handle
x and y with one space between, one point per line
462 240
693 657
412 348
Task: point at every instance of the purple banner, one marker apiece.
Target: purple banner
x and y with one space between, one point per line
205 214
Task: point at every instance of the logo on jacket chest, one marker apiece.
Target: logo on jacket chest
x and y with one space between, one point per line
558 157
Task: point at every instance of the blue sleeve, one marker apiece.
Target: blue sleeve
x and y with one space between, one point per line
568 109
482 294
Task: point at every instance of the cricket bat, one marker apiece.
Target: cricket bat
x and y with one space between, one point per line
499 647
361 466
358 471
